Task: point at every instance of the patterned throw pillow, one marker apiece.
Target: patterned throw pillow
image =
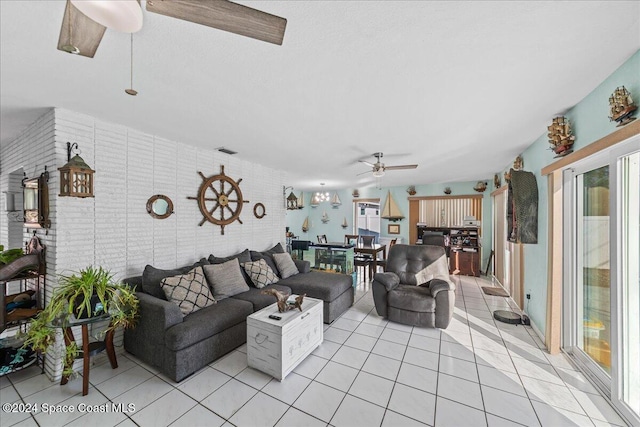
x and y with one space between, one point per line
261 274
285 264
190 291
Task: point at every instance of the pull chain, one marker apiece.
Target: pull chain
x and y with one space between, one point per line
131 91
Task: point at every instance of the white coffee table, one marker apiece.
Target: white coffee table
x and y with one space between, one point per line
276 347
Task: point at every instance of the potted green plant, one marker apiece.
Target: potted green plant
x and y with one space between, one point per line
89 292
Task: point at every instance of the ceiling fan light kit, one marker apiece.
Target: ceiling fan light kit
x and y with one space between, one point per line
123 15
90 19
378 168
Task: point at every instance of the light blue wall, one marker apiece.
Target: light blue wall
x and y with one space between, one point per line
590 122
335 232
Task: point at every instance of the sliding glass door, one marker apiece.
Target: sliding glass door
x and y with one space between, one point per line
602 275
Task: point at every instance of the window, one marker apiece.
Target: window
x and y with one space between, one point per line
449 211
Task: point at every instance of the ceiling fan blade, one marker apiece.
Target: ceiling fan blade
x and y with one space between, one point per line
224 15
363 173
367 163
86 33
399 167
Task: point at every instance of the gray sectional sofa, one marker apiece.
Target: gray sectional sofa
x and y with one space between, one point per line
179 345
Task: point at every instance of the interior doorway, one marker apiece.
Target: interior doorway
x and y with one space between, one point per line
366 218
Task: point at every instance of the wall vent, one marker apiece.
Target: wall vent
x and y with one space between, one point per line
226 151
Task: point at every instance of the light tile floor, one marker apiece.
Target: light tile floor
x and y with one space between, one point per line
368 372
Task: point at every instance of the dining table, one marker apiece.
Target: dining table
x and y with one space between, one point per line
373 250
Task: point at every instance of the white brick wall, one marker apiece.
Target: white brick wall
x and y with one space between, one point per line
113 229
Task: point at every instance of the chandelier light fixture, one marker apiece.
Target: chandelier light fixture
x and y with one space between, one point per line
319 196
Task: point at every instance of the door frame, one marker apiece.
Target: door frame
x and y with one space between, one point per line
611 387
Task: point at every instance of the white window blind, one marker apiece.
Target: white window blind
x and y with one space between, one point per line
450 211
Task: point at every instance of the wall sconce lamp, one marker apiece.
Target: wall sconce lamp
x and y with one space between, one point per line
291 201
76 177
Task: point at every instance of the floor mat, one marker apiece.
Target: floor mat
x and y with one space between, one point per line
495 291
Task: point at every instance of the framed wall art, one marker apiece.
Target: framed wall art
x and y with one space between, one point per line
393 229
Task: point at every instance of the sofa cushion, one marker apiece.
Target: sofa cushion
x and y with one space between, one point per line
261 274
151 277
268 256
317 284
189 291
260 300
285 264
412 298
242 257
207 322
225 279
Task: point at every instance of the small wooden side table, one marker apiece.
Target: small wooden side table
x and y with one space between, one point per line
89 348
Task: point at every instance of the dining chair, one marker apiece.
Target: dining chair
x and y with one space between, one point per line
368 240
383 262
365 260
351 239
322 238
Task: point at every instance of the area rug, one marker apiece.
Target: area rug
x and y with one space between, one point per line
495 291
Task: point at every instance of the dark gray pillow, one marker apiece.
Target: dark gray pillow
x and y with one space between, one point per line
242 257
225 279
151 277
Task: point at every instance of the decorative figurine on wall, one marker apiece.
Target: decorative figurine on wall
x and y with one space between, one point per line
518 163
480 187
411 190
560 136
496 181
621 106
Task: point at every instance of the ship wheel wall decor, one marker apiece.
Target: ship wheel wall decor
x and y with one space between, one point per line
220 199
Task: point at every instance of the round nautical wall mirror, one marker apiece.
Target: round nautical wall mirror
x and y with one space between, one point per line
160 206
259 210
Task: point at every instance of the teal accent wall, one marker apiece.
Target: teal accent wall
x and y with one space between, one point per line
335 232
590 122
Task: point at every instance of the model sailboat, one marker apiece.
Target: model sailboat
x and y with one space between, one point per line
335 200
305 225
325 218
301 201
344 223
391 211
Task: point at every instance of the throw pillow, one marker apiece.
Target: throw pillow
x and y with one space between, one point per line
285 264
261 274
151 277
242 257
190 291
268 256
225 279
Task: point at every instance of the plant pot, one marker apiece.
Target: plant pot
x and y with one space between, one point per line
96 308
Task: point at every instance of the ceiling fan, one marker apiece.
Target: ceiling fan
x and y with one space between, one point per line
85 21
378 168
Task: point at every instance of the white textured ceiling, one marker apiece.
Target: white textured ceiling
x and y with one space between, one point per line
459 87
